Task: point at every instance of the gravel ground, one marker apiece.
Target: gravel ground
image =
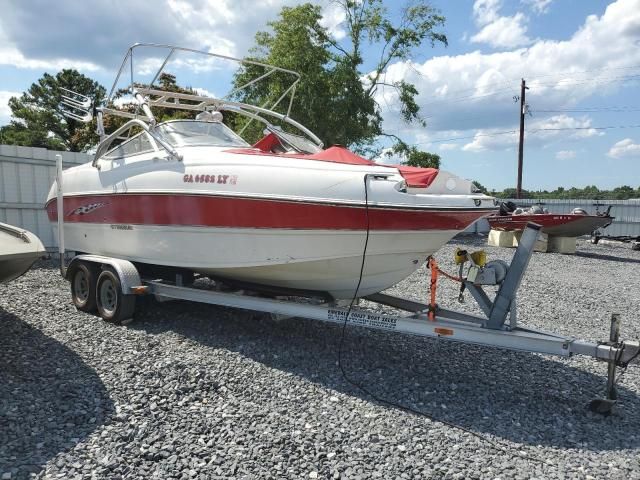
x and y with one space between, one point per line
197 391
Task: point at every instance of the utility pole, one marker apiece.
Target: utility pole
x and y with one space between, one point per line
523 106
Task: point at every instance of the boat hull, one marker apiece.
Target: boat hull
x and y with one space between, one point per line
274 220
559 225
311 259
19 250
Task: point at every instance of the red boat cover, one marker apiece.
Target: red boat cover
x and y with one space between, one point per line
418 177
414 176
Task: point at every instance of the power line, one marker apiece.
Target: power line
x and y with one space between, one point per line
573 73
511 132
562 82
493 134
508 80
581 128
583 81
589 110
467 97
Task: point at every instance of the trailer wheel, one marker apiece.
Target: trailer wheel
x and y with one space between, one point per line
83 287
113 305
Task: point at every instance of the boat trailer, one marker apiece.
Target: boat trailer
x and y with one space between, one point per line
497 327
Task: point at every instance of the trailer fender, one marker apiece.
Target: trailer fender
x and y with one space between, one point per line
126 271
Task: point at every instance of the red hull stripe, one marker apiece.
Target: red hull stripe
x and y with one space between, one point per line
234 212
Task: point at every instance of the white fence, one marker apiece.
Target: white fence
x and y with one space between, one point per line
26 175
626 213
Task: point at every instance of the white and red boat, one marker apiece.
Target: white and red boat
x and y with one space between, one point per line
284 212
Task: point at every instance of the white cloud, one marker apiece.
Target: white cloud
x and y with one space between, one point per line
497 30
504 32
565 126
465 91
448 146
625 148
491 140
538 6
537 133
565 154
84 37
333 17
5 112
204 92
486 11
11 55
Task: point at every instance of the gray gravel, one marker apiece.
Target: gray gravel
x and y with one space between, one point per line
196 391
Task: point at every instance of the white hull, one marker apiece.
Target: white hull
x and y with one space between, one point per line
19 250
321 260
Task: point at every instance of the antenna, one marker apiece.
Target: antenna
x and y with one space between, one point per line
76 106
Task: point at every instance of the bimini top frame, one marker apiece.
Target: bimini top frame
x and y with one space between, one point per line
202 103
172 49
148 96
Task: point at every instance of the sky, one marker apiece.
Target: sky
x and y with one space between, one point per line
580 60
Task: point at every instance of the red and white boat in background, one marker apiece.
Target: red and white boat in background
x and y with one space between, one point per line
284 212
574 224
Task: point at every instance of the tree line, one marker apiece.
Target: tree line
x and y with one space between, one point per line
590 192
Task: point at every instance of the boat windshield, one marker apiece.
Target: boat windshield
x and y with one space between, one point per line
183 133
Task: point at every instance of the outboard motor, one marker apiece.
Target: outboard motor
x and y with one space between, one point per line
507 207
536 209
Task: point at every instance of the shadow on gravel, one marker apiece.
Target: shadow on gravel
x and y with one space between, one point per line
521 397
611 258
49 398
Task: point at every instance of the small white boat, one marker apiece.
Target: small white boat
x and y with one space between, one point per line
19 250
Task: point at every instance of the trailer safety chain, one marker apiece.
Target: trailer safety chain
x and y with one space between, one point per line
435 270
449 276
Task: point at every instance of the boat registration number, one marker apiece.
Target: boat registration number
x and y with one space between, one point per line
207 178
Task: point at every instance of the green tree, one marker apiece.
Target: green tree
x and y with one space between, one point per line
590 192
336 97
622 193
480 187
37 119
418 158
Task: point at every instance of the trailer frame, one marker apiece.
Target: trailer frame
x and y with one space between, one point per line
492 329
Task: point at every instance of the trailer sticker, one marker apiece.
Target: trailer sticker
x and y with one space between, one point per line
362 319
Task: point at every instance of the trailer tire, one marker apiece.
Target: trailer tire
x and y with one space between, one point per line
113 305
83 287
